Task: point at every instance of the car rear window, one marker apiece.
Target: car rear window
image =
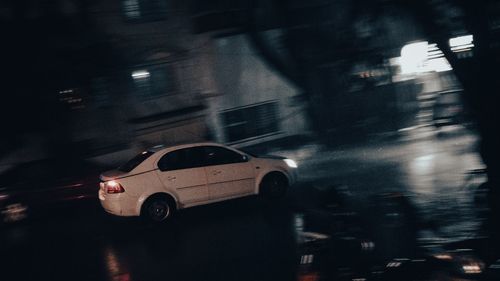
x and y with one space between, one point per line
134 162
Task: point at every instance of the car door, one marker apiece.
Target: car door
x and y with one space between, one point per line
182 172
229 173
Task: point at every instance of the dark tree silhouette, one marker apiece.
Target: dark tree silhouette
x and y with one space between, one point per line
42 53
477 74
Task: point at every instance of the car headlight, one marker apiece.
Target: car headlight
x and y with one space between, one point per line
290 163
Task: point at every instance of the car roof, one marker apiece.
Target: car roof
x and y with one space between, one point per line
159 148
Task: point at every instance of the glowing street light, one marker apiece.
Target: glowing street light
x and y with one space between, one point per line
140 74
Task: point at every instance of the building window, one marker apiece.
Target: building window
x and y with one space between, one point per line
131 9
250 121
100 92
72 98
153 82
144 10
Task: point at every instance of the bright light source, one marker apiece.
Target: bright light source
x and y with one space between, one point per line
367 245
413 57
306 259
461 40
140 74
461 43
439 64
290 163
472 268
423 165
112 183
420 57
66 91
393 264
443 256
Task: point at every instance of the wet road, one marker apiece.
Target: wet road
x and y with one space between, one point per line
240 240
431 169
250 239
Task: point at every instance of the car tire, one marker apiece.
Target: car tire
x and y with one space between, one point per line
274 186
158 209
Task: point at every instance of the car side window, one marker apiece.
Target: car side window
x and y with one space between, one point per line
216 155
185 158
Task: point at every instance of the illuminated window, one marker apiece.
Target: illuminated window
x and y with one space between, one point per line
462 43
131 9
144 10
72 98
153 82
422 57
413 57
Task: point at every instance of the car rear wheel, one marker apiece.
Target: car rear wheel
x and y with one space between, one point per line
274 186
157 209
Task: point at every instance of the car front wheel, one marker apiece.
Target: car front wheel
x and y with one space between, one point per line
274 186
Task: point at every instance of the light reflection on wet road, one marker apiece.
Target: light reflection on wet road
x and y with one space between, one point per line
431 171
241 240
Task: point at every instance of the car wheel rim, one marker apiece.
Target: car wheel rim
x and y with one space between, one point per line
159 211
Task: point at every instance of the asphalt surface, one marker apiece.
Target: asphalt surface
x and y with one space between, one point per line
250 238
428 167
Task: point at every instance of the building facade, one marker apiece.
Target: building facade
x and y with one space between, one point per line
124 75
255 104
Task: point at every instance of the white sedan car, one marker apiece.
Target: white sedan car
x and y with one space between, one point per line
161 180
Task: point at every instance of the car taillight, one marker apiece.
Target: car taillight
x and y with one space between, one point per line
113 187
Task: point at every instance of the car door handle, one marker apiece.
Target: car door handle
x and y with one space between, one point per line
216 172
171 178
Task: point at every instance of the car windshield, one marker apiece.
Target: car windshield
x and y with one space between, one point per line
134 162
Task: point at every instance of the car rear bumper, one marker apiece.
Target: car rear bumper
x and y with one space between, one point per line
117 204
